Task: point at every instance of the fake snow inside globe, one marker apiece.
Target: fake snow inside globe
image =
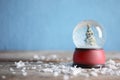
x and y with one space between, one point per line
88 36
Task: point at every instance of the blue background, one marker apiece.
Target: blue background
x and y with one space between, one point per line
48 24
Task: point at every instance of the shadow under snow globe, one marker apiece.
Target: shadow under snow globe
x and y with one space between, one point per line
89 38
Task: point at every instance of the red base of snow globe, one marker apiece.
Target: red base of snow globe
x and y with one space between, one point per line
88 58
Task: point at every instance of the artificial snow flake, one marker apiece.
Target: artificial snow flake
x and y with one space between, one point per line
84 74
13 72
76 71
11 69
111 66
36 57
19 64
53 56
111 62
3 77
56 74
47 70
24 73
34 67
42 57
66 77
93 74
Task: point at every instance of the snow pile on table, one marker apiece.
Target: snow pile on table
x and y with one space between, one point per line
64 68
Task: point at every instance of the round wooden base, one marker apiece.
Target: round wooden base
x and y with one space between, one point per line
88 58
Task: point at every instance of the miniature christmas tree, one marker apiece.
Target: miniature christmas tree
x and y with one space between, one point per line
90 39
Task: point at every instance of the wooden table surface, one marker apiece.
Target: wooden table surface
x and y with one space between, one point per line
7 59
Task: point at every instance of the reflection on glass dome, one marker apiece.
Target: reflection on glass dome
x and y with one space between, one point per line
88 34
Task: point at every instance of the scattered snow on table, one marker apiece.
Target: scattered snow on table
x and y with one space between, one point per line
64 68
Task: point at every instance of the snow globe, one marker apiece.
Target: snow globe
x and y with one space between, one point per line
89 38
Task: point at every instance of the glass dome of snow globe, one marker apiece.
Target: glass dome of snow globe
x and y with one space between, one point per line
88 34
89 38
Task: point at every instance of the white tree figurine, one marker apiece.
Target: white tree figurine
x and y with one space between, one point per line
90 39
